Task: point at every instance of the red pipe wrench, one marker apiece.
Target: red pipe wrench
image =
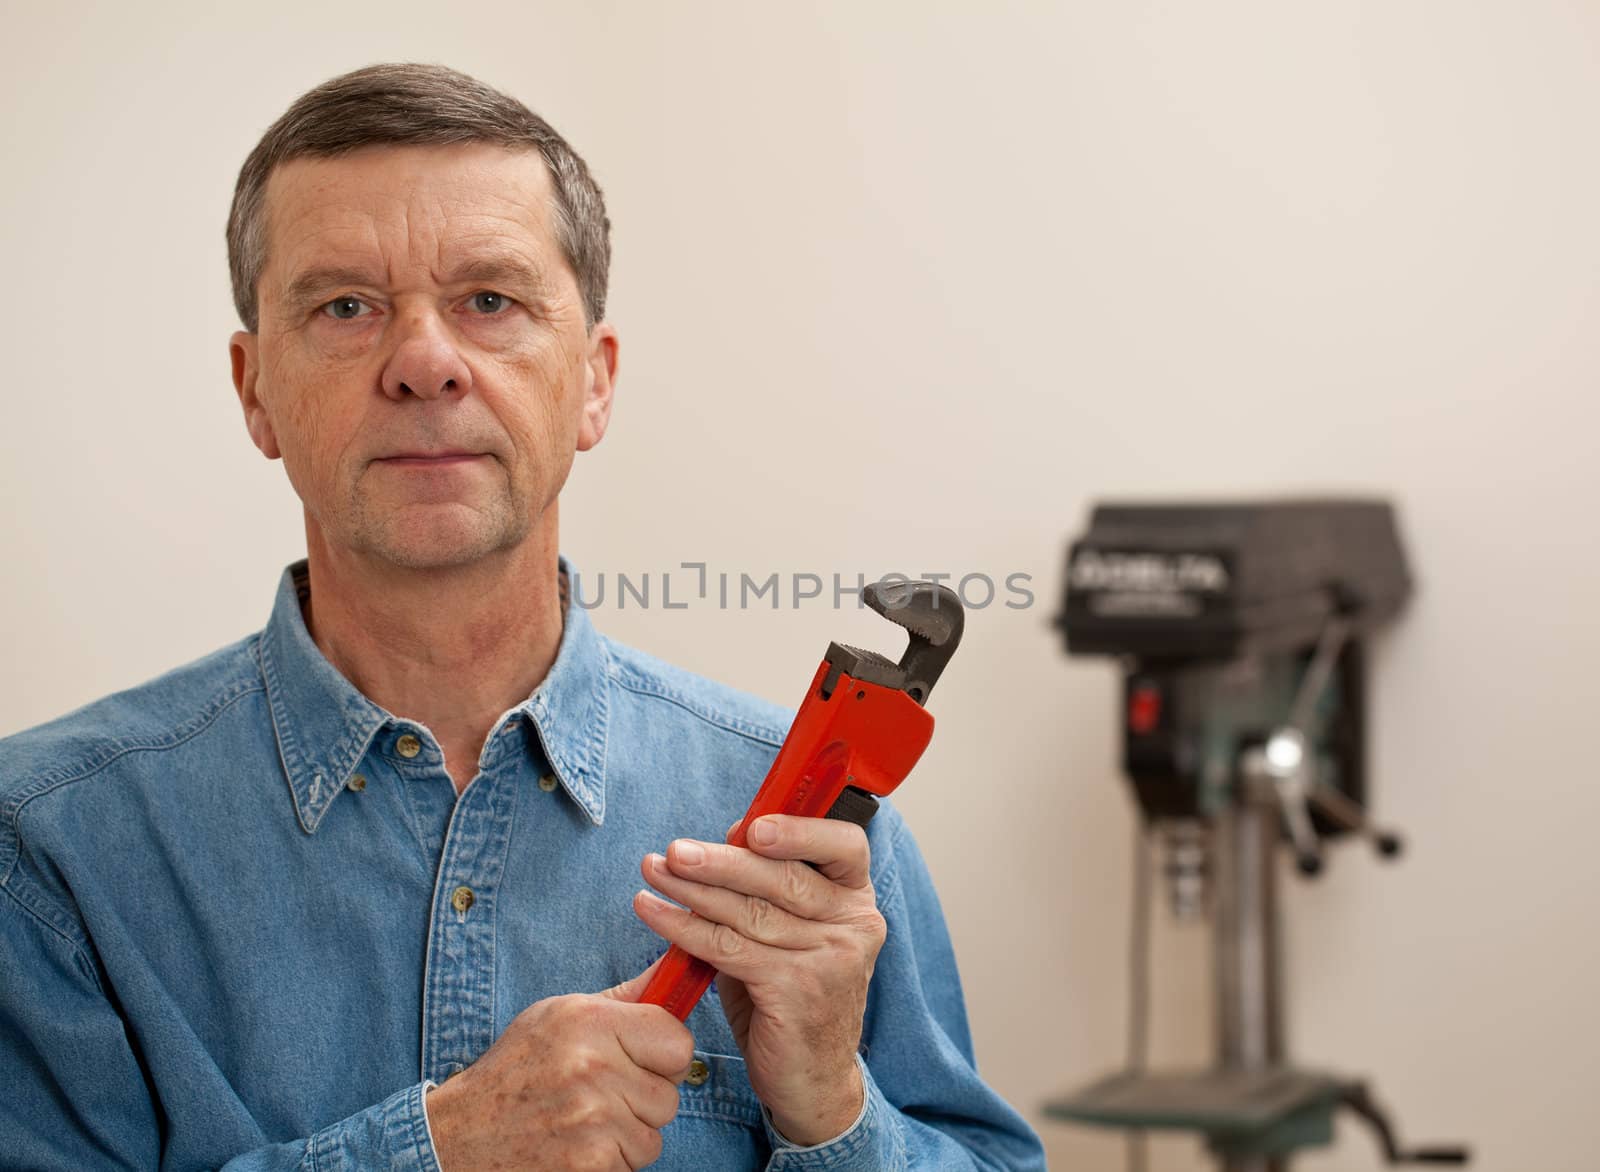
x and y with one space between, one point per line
859 731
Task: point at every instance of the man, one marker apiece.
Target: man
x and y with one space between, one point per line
352 892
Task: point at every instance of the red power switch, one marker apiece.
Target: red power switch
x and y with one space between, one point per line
1144 709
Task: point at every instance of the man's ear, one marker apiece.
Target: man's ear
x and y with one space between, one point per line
600 384
244 352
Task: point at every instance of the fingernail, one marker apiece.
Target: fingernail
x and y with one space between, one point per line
764 833
691 853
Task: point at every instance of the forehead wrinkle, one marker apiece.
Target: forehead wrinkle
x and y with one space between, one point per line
345 245
409 179
459 216
442 232
292 199
491 256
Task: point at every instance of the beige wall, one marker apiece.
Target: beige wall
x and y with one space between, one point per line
905 288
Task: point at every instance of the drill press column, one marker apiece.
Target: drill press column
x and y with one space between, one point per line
1248 986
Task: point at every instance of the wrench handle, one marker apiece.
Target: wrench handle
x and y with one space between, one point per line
857 740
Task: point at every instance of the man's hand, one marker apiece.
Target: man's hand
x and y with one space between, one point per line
585 1081
795 948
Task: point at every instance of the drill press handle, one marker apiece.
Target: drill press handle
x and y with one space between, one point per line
1288 763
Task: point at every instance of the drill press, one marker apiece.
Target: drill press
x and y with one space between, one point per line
1241 631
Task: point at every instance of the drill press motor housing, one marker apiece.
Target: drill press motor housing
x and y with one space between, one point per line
1218 612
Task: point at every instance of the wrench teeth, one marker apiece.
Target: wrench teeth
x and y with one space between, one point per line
899 602
931 616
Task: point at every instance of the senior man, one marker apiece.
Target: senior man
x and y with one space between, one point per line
354 892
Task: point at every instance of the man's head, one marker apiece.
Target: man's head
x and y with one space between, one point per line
415 105
420 264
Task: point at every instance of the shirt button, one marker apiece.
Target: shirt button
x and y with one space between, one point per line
547 782
357 782
509 728
698 1073
462 898
408 745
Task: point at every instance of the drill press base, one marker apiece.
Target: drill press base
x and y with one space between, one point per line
1267 1112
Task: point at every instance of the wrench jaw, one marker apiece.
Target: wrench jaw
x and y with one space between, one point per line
932 616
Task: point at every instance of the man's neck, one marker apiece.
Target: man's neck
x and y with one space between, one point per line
450 649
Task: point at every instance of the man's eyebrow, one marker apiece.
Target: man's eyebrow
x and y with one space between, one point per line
506 268
324 279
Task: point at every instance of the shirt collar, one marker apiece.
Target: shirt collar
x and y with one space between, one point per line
324 725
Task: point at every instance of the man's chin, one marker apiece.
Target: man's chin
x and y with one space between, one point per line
440 544
453 558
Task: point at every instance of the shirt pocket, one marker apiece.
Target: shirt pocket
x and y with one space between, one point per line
718 1089
718 1125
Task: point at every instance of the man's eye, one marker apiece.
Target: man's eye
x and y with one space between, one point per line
490 303
345 308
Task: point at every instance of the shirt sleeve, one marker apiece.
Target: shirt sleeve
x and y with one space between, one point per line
76 1096
926 1107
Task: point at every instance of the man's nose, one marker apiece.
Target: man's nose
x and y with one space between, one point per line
426 363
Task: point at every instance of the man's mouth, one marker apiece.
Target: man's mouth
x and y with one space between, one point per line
431 459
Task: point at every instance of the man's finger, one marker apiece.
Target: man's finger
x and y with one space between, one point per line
717 944
836 848
652 1098
759 919
638 1145
655 1041
784 883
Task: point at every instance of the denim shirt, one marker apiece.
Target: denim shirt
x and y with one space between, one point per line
246 922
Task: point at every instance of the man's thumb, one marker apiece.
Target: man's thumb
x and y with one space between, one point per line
633 988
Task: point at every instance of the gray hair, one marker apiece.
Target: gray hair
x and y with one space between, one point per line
416 105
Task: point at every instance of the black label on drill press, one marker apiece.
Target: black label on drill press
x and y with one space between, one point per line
1142 583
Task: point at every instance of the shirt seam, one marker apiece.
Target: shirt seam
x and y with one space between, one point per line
283 731
583 768
114 749
77 947
652 686
415 1120
15 804
887 885
427 1124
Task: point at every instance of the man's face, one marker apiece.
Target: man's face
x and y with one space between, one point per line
422 365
